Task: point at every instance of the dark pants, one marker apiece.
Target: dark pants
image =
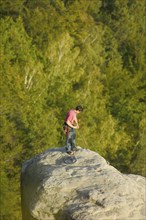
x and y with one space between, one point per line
70 139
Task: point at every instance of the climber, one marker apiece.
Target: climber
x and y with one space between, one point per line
70 124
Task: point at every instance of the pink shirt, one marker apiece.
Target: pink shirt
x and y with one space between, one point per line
71 116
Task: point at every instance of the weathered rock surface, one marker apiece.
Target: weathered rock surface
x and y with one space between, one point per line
89 189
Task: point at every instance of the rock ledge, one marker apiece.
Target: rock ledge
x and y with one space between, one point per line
89 189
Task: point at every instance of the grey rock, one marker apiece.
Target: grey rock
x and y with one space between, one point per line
89 189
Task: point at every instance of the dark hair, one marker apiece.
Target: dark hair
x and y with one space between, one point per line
79 108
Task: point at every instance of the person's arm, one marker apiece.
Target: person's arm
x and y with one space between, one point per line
76 121
70 125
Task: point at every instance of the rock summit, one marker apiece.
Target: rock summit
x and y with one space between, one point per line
89 189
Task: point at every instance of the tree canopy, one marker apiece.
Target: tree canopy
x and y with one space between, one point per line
56 54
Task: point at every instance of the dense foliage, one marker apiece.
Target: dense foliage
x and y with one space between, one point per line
56 54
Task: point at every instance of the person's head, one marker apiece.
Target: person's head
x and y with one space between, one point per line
79 109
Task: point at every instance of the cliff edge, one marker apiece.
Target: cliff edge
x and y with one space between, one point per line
89 189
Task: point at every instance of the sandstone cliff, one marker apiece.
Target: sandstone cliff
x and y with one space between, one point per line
89 189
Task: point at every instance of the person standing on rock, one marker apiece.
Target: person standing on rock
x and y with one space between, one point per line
70 124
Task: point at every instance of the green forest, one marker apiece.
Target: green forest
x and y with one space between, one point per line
57 54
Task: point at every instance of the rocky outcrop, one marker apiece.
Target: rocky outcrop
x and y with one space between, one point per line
89 189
